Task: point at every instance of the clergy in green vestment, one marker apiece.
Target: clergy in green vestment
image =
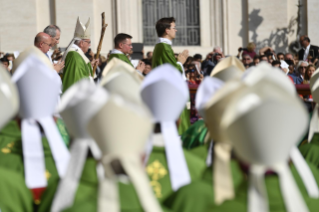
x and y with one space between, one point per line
163 53
199 196
77 65
123 47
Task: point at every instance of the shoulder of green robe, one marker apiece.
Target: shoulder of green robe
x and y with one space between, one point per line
71 55
121 57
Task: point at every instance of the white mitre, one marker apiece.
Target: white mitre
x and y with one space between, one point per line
228 68
79 103
9 97
38 88
251 120
81 32
121 129
165 93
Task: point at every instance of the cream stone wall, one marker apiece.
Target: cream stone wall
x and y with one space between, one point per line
313 20
226 23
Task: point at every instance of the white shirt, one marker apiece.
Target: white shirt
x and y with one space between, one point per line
169 42
115 51
305 54
49 53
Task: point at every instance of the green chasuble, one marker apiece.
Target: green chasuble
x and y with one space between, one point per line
86 198
199 196
121 57
11 154
14 194
158 172
75 69
310 151
163 53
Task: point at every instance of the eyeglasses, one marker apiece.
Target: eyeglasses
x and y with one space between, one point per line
302 67
130 45
47 44
89 42
173 28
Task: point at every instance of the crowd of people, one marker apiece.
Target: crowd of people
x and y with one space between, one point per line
113 133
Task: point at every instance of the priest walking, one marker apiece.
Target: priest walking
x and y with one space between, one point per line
77 65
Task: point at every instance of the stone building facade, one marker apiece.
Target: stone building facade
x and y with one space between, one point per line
202 24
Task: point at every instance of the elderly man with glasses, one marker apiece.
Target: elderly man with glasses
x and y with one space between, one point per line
43 42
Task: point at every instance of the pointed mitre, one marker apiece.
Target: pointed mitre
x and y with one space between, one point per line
121 115
165 93
215 108
123 82
78 104
264 73
112 66
27 52
9 97
38 87
251 120
82 31
228 68
205 91
121 129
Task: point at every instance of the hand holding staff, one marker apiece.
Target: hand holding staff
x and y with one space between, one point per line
100 43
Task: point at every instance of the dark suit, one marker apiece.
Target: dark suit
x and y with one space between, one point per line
313 51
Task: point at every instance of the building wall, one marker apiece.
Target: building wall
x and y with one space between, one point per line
226 23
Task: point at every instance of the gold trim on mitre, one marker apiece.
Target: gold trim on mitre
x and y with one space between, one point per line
228 68
82 31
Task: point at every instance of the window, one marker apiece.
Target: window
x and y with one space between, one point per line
186 13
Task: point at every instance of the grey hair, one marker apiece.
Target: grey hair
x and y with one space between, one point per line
217 47
51 30
77 42
299 63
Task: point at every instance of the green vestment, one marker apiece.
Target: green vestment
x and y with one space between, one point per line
75 69
86 198
11 154
14 194
158 172
310 151
121 57
163 53
194 135
199 196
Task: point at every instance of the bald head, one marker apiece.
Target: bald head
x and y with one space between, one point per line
43 41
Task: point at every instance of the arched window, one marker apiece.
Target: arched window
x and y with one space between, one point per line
186 13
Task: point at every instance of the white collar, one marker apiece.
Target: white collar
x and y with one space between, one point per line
115 51
164 40
308 47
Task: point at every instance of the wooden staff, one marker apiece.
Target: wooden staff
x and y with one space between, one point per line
101 41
